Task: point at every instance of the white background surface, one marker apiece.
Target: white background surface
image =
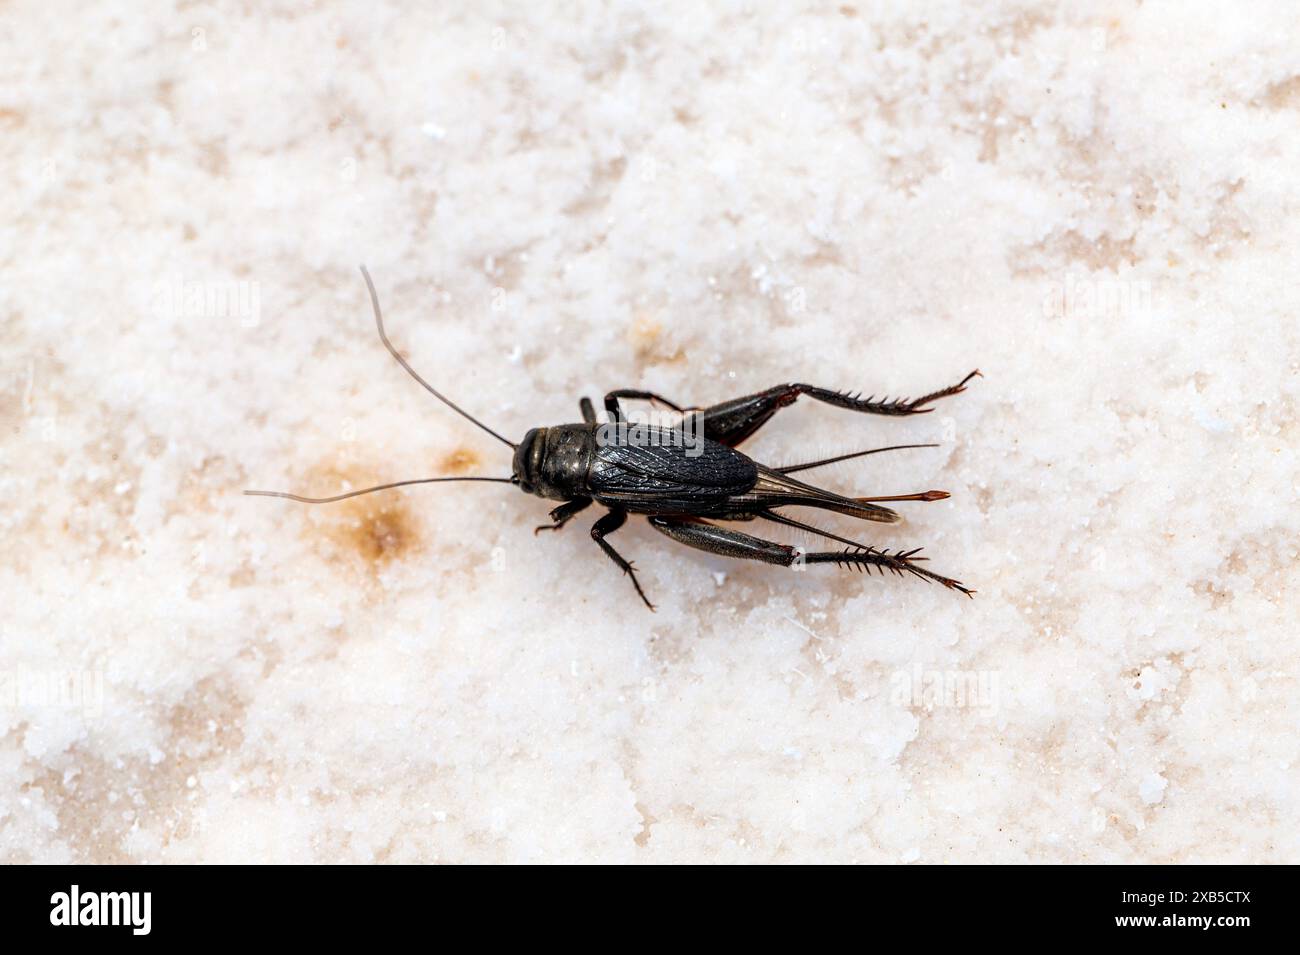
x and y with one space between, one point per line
1094 205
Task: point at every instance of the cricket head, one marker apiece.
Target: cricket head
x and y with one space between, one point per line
528 462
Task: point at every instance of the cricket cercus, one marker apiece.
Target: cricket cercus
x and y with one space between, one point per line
685 477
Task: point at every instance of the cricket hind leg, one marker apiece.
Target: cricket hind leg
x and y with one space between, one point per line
700 534
563 514
725 542
731 422
608 525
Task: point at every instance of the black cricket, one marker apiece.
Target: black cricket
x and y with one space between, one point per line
685 477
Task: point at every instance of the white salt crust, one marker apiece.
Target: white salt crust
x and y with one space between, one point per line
1095 205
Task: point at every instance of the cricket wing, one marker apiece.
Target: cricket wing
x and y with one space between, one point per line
660 476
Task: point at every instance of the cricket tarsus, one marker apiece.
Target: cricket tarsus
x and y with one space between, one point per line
900 563
886 405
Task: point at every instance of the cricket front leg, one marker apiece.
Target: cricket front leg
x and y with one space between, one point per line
608 525
563 514
731 422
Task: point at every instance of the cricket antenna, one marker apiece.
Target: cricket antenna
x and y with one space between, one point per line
379 322
371 490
